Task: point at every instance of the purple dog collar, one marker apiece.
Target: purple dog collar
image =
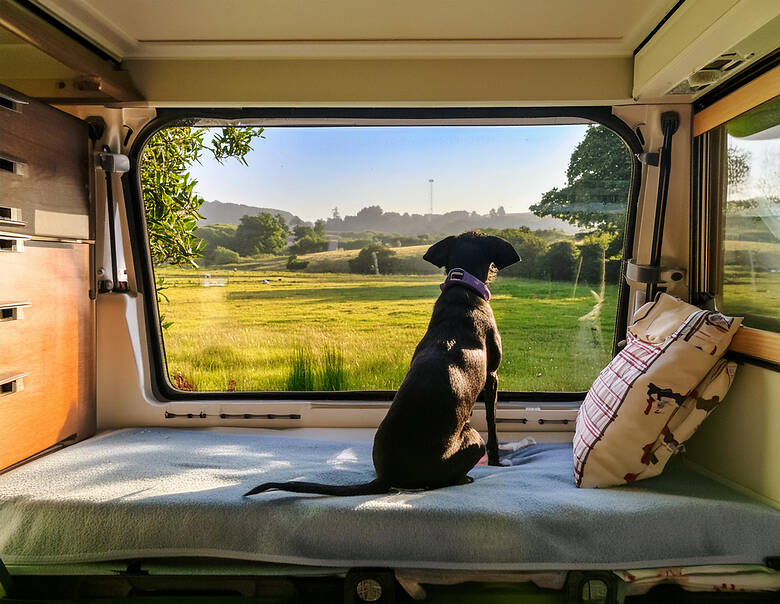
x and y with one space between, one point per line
457 276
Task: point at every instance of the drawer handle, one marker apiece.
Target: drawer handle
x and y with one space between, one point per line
11 384
13 311
12 100
13 245
11 164
11 216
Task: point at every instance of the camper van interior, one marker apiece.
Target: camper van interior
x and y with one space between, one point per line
238 237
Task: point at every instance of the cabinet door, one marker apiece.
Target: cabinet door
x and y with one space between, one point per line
46 344
44 184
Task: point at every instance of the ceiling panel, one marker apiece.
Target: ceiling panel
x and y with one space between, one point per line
147 28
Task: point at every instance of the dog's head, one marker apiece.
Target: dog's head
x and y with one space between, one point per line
473 252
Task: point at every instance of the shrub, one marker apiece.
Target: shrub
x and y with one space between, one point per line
309 245
364 263
354 244
293 264
531 249
593 263
222 255
560 261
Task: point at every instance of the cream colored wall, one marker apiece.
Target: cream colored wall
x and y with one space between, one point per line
676 240
740 442
472 82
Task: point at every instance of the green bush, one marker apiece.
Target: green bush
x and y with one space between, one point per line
308 245
222 255
412 265
531 249
354 244
560 261
364 263
293 264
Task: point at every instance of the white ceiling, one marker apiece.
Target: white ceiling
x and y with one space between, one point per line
362 28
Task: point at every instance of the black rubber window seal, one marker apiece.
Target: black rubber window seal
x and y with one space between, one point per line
161 387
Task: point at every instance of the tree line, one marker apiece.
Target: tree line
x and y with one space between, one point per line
594 198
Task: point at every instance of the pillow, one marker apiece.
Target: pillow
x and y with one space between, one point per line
654 394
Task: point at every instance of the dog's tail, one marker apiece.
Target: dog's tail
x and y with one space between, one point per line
375 487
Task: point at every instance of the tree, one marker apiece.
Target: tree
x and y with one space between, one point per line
561 261
597 182
261 234
738 166
530 247
308 245
301 231
170 201
319 228
214 236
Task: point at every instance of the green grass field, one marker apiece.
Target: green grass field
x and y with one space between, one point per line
247 334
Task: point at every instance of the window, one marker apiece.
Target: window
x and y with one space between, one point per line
751 218
304 269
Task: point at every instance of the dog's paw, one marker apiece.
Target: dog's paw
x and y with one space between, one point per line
496 462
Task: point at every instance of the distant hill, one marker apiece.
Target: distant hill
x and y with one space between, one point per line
374 219
218 212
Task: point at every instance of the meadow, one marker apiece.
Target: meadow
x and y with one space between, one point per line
751 283
252 327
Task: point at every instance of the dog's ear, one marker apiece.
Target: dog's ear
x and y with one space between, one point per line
438 253
502 253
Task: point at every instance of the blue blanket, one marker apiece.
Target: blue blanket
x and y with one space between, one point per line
170 492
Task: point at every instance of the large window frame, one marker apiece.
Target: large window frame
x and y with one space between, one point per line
757 346
160 383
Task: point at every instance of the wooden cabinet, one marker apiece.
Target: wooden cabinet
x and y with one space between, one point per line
47 391
44 163
49 347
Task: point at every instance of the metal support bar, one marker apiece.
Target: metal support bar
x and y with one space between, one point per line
112 163
670 122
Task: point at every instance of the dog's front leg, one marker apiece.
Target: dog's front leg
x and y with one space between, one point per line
491 396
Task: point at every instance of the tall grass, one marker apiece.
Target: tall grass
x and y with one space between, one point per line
309 372
331 373
301 375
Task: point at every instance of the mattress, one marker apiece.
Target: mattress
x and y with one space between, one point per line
158 492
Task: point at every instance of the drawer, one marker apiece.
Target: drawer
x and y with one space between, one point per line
44 172
46 334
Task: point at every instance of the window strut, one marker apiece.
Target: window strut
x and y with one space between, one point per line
670 122
112 163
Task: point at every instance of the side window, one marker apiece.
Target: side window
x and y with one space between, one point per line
290 258
751 217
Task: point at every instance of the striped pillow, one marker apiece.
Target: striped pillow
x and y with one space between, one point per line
654 394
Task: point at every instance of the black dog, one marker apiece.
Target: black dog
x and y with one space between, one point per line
425 440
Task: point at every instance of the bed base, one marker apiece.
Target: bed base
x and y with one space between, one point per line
227 581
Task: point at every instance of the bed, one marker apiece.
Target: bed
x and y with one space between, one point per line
160 492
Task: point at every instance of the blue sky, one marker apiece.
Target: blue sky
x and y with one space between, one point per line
309 171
